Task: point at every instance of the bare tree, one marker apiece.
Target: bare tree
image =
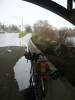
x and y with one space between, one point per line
63 33
28 29
44 29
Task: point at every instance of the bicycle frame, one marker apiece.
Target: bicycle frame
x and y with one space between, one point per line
38 81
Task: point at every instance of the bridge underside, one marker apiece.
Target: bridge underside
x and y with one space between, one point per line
67 13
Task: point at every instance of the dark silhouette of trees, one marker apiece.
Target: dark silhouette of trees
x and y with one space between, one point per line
10 28
28 29
13 28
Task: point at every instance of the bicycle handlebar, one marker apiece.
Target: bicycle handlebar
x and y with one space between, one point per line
34 56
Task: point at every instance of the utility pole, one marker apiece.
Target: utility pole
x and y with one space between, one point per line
22 30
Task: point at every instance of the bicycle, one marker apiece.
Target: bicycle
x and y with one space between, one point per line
38 79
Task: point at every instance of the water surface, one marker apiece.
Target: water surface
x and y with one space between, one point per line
22 73
22 68
12 39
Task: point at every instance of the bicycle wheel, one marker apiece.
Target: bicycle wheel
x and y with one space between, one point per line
38 88
44 87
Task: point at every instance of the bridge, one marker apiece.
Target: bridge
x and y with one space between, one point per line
67 13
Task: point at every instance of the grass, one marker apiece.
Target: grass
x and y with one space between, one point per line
33 33
22 34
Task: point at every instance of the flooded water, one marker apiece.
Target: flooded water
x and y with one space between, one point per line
12 39
71 40
22 73
22 68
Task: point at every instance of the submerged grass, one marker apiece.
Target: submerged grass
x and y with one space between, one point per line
22 34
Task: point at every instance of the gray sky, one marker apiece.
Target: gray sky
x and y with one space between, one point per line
12 12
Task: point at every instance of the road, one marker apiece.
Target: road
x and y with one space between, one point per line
8 85
59 89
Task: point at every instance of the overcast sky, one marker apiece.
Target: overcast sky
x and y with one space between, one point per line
12 12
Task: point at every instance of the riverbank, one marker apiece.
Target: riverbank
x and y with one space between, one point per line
62 58
8 86
59 89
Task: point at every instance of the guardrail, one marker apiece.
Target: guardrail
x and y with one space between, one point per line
33 48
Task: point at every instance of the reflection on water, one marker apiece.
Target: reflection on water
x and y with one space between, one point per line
22 73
